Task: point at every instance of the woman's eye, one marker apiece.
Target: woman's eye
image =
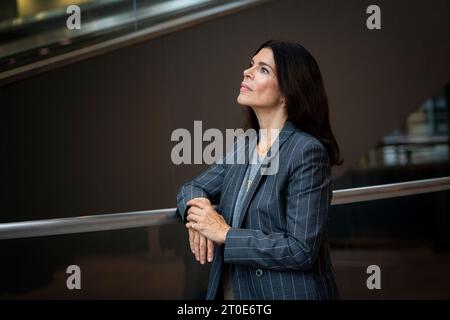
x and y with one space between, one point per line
264 70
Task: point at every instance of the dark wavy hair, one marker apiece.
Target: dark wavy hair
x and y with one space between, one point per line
300 81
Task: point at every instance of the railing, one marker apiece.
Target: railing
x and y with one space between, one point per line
392 190
126 220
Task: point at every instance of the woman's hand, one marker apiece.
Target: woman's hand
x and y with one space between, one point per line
203 218
202 247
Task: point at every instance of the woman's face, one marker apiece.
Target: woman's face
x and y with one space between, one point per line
260 86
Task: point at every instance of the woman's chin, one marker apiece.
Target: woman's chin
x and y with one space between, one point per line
242 101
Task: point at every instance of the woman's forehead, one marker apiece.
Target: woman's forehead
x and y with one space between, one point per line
265 55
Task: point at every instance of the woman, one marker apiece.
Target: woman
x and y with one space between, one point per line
268 237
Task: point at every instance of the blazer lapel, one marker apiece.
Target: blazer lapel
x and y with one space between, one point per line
285 133
236 180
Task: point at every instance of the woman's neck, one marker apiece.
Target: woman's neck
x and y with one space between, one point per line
270 123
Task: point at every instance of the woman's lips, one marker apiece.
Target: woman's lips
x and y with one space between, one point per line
245 88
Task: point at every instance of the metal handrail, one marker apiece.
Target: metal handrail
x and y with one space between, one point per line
391 190
134 219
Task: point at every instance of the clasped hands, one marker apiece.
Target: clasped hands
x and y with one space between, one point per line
206 227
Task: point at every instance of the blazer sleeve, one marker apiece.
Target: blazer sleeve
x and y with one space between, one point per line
309 193
208 185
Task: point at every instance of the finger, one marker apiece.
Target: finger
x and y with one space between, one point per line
210 245
195 202
191 240
202 249
190 226
192 220
197 245
203 200
202 203
196 211
199 199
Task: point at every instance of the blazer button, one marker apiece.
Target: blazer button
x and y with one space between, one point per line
259 272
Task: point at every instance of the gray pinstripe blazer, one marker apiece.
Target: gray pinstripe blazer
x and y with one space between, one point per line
280 248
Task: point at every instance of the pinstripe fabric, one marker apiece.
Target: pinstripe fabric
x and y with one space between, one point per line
279 249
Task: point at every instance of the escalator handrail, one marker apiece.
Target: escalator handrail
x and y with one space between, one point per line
134 219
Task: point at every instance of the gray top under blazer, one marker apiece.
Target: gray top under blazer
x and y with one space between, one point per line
279 249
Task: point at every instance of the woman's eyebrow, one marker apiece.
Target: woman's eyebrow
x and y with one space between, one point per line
263 64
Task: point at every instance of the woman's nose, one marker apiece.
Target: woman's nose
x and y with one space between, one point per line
248 73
